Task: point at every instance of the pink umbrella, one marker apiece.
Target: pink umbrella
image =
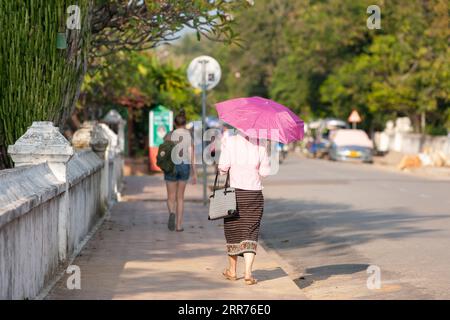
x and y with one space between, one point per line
248 114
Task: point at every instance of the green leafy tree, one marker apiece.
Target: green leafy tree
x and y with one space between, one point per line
119 25
144 82
39 82
321 35
404 72
156 82
320 59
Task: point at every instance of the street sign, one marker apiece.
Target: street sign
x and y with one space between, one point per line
160 123
210 67
354 117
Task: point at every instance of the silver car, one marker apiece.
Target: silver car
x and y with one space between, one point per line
349 144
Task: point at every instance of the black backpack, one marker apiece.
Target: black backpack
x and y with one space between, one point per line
164 157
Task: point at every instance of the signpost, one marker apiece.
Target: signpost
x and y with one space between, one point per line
354 118
160 123
204 73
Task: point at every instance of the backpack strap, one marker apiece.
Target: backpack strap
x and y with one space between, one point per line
168 136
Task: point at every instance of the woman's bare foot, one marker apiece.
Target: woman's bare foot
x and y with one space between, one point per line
249 280
229 275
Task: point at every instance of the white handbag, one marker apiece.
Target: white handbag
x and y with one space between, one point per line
222 202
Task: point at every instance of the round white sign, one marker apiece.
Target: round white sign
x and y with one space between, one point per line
204 70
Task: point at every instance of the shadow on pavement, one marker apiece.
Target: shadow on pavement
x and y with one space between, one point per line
319 241
324 272
291 224
266 275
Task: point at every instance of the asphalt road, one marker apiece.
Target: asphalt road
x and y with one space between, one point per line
330 221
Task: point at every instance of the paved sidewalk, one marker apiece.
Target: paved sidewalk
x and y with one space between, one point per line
134 256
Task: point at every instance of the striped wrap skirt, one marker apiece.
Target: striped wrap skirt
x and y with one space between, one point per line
242 231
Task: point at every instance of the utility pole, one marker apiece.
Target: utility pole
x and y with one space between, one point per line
204 73
204 88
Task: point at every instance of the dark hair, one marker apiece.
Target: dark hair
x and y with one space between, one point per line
180 119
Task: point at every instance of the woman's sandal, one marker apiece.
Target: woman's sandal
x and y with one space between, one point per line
250 281
171 222
227 275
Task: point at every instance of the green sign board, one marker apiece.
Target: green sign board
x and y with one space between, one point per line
161 122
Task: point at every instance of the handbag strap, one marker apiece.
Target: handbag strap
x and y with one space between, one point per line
227 181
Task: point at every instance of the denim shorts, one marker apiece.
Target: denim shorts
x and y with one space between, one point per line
182 172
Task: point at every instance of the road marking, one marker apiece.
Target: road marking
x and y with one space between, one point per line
402 190
425 195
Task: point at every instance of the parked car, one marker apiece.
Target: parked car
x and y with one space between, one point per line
320 145
351 144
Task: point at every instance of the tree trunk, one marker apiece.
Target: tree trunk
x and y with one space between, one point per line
43 81
4 159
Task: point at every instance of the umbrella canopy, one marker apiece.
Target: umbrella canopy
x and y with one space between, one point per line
250 115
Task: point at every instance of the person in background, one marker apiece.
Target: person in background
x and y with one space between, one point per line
176 182
247 162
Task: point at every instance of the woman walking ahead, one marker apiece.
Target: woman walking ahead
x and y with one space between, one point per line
247 162
176 181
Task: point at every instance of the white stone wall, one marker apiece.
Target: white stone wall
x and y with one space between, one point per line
86 208
28 230
47 210
398 136
410 143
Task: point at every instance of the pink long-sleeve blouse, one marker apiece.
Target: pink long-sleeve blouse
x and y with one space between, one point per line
248 162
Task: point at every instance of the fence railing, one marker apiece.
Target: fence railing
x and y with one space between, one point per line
51 200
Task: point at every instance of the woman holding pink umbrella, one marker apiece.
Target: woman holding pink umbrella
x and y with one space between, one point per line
245 157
